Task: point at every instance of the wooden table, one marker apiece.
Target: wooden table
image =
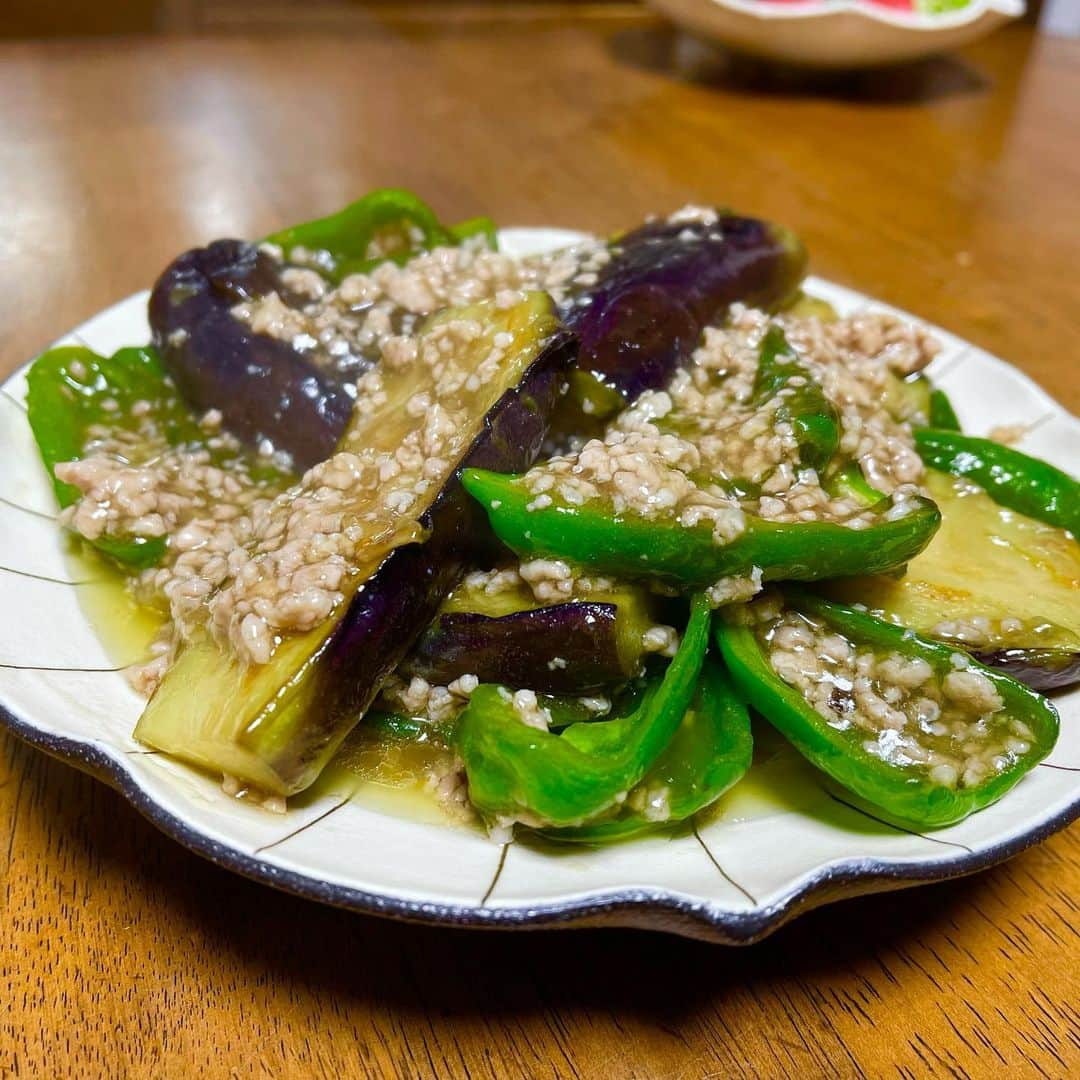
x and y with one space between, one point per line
949 189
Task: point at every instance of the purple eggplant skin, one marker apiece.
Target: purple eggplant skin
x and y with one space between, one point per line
264 388
1041 669
516 649
666 282
401 598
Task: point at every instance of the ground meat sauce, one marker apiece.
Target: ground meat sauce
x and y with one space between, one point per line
344 328
252 559
135 483
257 568
700 451
952 725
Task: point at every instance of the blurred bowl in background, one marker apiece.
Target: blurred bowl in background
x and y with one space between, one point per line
840 33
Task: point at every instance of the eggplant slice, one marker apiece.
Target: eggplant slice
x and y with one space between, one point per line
992 582
591 641
275 725
263 387
666 282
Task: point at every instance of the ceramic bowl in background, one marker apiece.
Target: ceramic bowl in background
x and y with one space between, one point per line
838 33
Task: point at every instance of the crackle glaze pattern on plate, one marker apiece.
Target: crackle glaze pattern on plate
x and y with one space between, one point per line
741 873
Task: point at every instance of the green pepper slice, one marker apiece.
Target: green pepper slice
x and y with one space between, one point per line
804 405
477 226
399 727
567 779
1010 478
849 482
71 388
942 414
906 792
388 223
629 546
709 753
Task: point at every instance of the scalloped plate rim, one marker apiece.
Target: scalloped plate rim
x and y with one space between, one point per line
704 920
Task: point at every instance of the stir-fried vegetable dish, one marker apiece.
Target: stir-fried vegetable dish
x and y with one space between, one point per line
574 523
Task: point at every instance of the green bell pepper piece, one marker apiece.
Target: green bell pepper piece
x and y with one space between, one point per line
62 406
812 416
631 546
397 221
709 753
904 792
848 482
567 779
71 389
942 415
397 727
1010 478
477 226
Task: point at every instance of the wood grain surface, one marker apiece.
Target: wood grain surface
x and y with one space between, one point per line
949 188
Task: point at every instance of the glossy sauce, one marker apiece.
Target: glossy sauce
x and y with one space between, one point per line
780 781
392 776
125 628
386 775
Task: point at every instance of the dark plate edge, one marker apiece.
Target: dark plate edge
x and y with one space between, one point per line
652 909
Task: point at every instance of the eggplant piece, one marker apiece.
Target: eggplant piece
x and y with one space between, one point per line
570 648
1041 669
908 399
914 399
264 388
592 640
276 725
986 566
562 649
666 282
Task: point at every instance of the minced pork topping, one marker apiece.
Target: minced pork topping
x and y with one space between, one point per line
134 483
419 698
251 568
952 726
346 327
700 452
252 562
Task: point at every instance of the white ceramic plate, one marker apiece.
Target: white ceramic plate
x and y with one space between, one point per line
749 868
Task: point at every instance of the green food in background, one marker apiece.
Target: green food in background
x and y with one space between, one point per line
385 224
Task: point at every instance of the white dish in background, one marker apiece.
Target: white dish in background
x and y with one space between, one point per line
836 33
744 873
